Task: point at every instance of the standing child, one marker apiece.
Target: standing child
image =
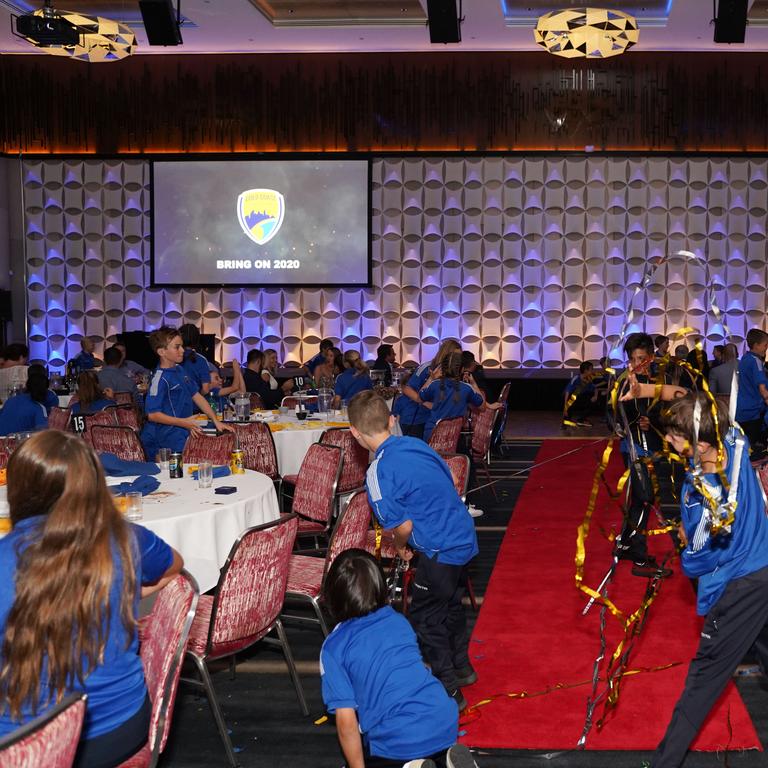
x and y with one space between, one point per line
390 710
171 398
731 564
448 396
412 493
753 389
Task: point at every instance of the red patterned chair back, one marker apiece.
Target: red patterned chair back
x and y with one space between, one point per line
445 435
58 418
482 429
7 447
128 416
214 448
123 398
355 458
106 418
351 529
317 481
122 441
458 463
251 589
256 402
164 634
258 446
49 740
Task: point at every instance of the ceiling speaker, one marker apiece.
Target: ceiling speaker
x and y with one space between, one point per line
444 22
731 21
160 22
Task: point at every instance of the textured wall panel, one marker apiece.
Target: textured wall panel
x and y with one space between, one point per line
528 261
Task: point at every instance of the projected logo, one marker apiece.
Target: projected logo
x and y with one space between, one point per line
260 213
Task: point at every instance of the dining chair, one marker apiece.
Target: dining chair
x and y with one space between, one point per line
123 398
258 447
124 442
163 636
355 463
306 574
497 438
314 492
48 741
106 418
256 402
290 401
244 608
214 448
445 436
480 449
128 416
58 418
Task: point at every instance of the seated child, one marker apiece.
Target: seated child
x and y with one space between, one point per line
390 710
91 398
171 398
582 389
27 411
218 394
354 379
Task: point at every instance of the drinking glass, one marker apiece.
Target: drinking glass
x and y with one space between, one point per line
134 508
204 474
163 457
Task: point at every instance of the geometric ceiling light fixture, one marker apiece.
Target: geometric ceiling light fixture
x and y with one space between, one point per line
592 33
76 36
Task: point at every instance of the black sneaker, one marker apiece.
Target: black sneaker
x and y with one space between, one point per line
648 568
458 697
465 676
458 756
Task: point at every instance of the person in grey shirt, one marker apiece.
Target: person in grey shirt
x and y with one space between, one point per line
112 377
721 376
127 366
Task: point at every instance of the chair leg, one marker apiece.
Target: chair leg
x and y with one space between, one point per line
218 716
283 639
320 617
233 666
487 472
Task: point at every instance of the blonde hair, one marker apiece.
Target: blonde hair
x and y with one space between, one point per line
445 349
353 360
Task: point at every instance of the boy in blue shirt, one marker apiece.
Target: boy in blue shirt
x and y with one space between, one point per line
412 493
171 398
193 363
319 358
390 710
582 389
753 390
731 563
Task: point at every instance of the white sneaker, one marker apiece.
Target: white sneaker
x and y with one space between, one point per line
459 756
474 511
420 764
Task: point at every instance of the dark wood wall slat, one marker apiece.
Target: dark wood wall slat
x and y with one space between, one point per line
384 103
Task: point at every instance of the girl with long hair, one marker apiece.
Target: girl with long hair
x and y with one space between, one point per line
91 398
447 394
354 379
71 573
414 415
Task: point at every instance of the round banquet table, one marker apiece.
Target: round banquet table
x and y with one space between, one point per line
293 438
202 525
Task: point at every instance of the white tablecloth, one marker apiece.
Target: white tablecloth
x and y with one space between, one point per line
293 441
203 525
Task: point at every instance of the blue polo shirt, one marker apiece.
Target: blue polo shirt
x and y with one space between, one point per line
407 480
170 392
372 664
410 412
583 387
349 383
116 687
449 398
749 404
21 413
85 361
314 362
718 560
51 401
197 370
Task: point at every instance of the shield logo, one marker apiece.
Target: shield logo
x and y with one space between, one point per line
260 213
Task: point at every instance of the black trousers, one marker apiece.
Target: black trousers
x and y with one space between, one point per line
438 617
386 762
755 432
413 430
735 623
633 544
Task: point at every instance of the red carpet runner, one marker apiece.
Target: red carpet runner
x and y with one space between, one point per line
530 634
